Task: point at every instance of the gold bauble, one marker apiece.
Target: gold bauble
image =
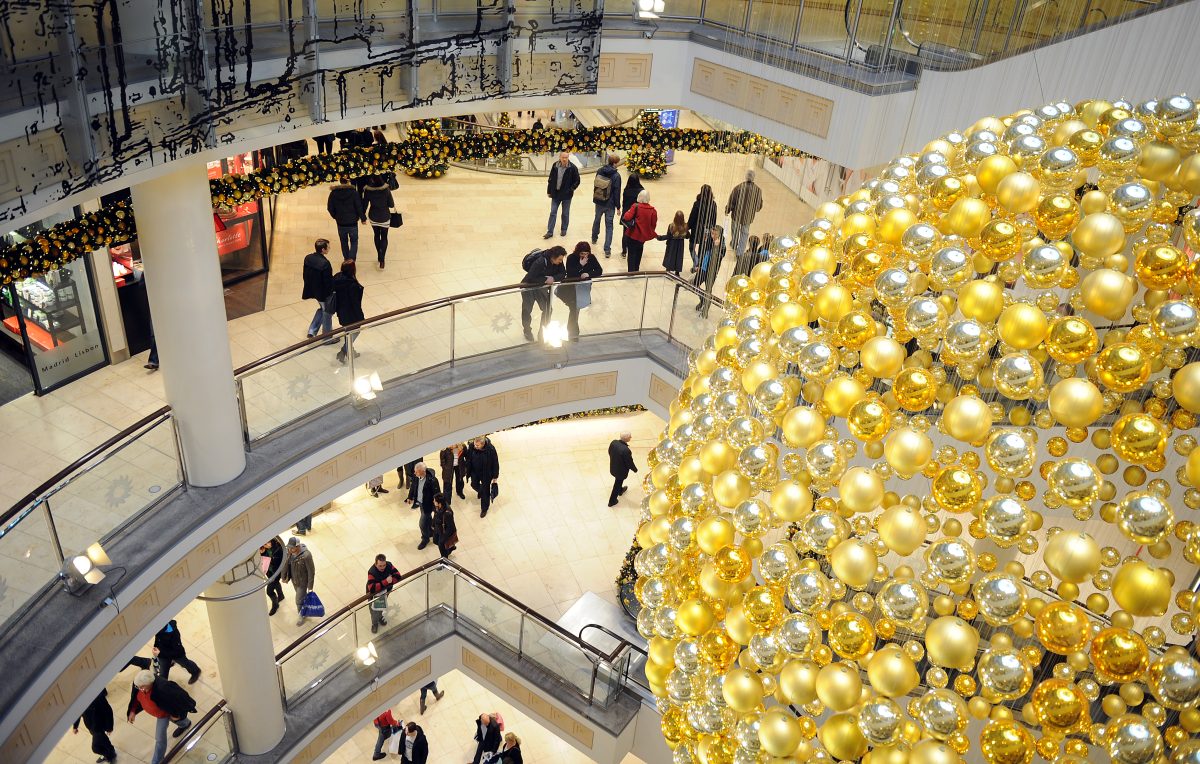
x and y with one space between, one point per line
1071 339
714 532
894 224
951 643
892 673
861 489
1141 590
1018 192
992 170
1138 438
1005 741
907 450
853 562
1121 654
757 373
1076 402
742 690
798 681
1062 627
1023 326
1123 367
838 686
929 752
842 738
841 393
694 617
731 488
802 426
1185 386
1072 556
882 357
1099 235
832 302
1057 704
789 315
1107 292
790 501
967 418
779 732
902 529
968 216
981 300
915 389
1159 161
717 456
1094 201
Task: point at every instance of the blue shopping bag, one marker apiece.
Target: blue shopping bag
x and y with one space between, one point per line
312 606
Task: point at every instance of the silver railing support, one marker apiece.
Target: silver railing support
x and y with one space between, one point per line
453 333
241 399
54 541
230 728
282 688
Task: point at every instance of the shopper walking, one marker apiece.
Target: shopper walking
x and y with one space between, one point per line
381 577
700 221
487 735
581 267
744 203
606 196
445 532
272 553
385 726
345 207
453 460
301 571
324 143
414 748
628 199
544 269
712 252
318 285
348 294
375 486
483 467
675 237
428 688
167 702
642 220
746 261
620 464
380 206
97 718
511 752
404 474
304 525
560 187
422 493
168 646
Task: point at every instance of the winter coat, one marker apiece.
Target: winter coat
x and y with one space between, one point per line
170 697
386 722
614 188
510 756
620 459
646 218
377 580
446 459
275 552
98 716
673 257
575 270
711 256
349 299
541 269
445 532
570 182
300 569
432 488
702 218
489 739
169 643
318 277
630 194
744 203
483 464
345 205
420 754
379 204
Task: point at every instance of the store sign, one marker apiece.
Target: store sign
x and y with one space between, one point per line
68 359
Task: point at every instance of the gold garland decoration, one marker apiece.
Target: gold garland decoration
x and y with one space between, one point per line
418 155
929 491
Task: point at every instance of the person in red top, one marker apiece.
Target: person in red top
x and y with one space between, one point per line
644 218
167 702
386 724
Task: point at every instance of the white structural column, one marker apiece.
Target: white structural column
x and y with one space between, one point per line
187 306
246 657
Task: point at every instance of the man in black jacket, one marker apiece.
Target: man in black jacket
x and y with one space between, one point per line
318 285
414 748
546 268
168 646
620 463
487 734
346 208
98 718
381 576
167 702
560 187
424 488
483 467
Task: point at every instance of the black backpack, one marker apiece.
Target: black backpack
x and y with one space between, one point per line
531 258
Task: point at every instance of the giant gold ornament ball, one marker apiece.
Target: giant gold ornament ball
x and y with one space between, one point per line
938 462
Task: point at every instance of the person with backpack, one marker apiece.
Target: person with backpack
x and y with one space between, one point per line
640 222
542 267
606 195
628 199
560 187
167 702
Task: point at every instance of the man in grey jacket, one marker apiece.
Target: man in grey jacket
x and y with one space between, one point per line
745 201
298 567
606 194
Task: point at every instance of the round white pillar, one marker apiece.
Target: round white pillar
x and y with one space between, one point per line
246 658
187 305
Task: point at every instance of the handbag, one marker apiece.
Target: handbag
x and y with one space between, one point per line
397 220
312 607
583 296
394 743
495 490
393 184
631 222
380 603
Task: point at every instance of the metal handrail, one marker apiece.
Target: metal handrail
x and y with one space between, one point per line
195 731
624 642
267 581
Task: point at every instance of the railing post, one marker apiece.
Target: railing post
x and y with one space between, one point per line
852 37
521 636
592 689
230 729
183 476
453 325
674 306
454 597
241 397
282 688
428 574
58 550
645 299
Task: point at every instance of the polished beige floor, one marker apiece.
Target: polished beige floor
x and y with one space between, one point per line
549 538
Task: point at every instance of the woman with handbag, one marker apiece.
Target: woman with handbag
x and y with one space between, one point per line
377 198
640 222
633 187
445 532
582 266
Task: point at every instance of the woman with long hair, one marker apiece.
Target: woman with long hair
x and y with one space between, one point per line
633 187
674 237
700 221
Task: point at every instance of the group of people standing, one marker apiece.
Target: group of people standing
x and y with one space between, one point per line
492 744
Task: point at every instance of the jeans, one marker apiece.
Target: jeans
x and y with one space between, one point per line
153 357
322 320
540 296
160 735
740 234
566 214
348 237
380 234
426 689
301 593
347 346
635 255
304 524
384 734
603 210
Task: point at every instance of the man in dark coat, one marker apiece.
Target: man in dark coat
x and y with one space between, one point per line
546 268
620 464
98 718
560 187
167 702
453 461
483 467
487 734
381 576
424 487
346 208
168 646
744 203
318 285
414 748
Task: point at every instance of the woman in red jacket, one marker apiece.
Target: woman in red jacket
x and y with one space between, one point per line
639 222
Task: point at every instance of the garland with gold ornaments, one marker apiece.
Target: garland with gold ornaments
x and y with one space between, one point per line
417 155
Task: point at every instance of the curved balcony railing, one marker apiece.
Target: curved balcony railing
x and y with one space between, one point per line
99 494
475 608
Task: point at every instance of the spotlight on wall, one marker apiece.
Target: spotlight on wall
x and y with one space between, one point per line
366 655
554 334
83 570
365 387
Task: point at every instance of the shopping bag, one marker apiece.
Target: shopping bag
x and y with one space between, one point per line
583 296
379 603
312 606
394 742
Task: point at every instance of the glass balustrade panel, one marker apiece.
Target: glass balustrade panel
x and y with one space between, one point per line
211 746
554 653
490 614
295 386
27 562
391 613
322 655
404 345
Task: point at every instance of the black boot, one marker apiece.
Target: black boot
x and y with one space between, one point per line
274 606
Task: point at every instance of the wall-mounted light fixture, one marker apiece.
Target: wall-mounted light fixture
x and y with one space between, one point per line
554 334
366 655
366 386
83 570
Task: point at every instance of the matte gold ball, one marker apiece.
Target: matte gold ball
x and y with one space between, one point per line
882 357
1107 292
1076 402
892 673
1141 590
854 562
902 529
907 450
842 738
838 686
1099 235
1185 386
1072 556
951 642
981 300
742 690
779 732
967 418
1018 192
1023 326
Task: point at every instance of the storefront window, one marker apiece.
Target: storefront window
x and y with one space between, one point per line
241 233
